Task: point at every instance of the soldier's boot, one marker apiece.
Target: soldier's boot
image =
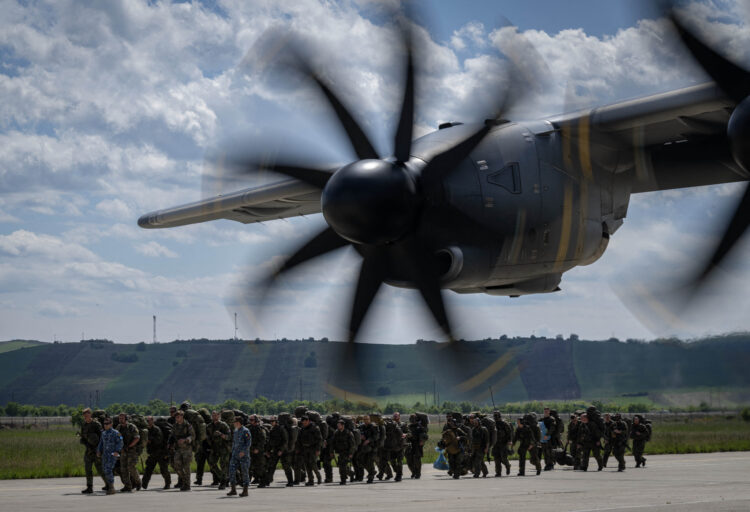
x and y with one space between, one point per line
507 469
521 473
126 489
167 485
343 481
233 491
643 461
318 477
289 479
110 488
328 470
263 483
144 482
398 477
88 490
243 494
222 485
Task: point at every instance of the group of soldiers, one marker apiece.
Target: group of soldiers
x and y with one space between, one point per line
242 449
469 440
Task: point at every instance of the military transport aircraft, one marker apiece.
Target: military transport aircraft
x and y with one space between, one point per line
503 207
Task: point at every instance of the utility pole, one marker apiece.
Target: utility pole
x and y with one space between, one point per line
154 341
493 397
434 391
235 326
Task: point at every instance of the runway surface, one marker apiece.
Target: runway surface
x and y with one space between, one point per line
703 482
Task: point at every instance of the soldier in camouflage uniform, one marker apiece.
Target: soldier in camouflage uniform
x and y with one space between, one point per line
639 434
342 444
415 439
619 440
276 447
91 431
157 454
503 444
310 441
109 449
184 436
589 440
242 441
573 440
370 434
527 442
219 440
607 444
327 454
203 452
480 442
258 452
550 425
394 446
129 455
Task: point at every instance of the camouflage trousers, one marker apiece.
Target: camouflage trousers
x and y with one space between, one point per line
182 459
343 464
201 457
310 463
533 457
162 460
606 452
477 462
396 461
381 461
258 466
618 450
414 460
128 472
108 467
273 460
500 454
638 448
366 461
91 461
218 464
586 451
243 463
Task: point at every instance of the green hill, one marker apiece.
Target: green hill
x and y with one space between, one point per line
507 369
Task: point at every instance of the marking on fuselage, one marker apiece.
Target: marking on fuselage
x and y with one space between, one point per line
582 213
565 227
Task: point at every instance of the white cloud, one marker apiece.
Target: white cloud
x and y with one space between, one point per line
155 250
114 208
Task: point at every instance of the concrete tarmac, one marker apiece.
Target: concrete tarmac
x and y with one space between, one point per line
703 482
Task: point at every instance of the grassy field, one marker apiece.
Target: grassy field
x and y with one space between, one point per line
55 452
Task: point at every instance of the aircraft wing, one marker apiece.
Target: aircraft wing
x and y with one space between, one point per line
287 198
672 140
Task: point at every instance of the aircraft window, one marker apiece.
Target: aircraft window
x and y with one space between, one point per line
509 178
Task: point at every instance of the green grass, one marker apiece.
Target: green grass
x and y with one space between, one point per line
9 346
55 452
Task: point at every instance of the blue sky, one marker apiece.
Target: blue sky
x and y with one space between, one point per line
107 111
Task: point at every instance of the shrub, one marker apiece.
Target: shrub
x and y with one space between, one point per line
124 358
745 414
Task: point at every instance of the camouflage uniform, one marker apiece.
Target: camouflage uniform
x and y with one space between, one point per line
415 439
242 440
480 439
157 454
184 436
394 448
589 439
258 455
129 457
309 441
452 441
500 450
370 434
219 440
618 441
573 441
607 444
110 442
639 433
327 454
548 444
342 444
276 448
527 440
90 434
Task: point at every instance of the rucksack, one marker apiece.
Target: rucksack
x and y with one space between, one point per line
647 424
165 427
423 419
300 411
491 427
199 426
227 416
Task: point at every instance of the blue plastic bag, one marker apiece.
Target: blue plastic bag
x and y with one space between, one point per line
441 463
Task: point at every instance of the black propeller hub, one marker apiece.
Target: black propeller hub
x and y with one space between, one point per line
371 201
738 132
